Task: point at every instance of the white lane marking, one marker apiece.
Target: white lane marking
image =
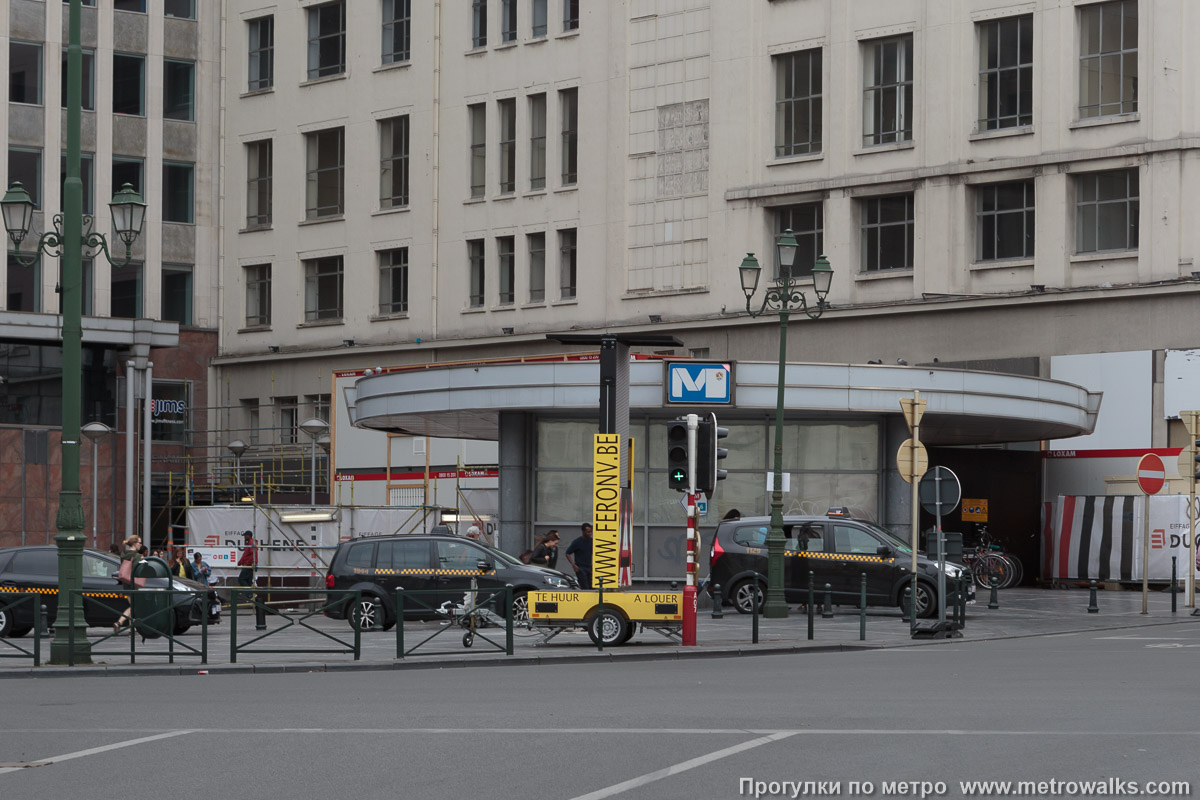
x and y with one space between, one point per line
619 731
1146 638
96 750
683 766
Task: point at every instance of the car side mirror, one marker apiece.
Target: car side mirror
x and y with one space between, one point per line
483 564
884 551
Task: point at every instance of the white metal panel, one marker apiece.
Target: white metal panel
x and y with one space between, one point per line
1127 381
1181 382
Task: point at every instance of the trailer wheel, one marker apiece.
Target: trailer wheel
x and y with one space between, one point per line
608 627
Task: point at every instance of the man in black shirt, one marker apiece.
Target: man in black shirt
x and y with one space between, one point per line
579 556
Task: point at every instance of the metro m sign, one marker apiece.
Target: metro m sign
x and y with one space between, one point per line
694 382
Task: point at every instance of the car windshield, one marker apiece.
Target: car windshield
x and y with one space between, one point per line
891 538
500 554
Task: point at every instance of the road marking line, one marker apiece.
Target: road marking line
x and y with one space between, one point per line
95 750
618 731
684 766
1146 638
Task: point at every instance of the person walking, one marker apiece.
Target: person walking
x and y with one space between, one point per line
248 560
579 556
546 553
132 554
202 570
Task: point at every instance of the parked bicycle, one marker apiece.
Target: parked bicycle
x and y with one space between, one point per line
987 560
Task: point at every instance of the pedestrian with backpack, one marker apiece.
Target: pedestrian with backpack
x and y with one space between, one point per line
546 553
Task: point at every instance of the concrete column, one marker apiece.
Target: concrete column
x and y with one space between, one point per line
518 433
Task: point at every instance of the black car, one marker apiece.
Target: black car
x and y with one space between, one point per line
837 549
34 569
442 564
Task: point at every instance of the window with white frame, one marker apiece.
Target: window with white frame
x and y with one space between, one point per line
129 84
176 283
323 288
129 171
253 423
887 90
180 9
1106 211
259 179
327 40
326 165
178 191
537 141
570 15
888 227
289 416
568 111
1004 217
479 23
477 123
261 52
25 73
567 264
506 256
508 145
393 281
179 90
397 31
393 162
536 242
87 88
476 278
538 26
319 403
25 166
1006 73
1108 59
508 21
258 295
806 222
798 109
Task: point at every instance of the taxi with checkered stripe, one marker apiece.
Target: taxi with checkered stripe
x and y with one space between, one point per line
438 567
837 548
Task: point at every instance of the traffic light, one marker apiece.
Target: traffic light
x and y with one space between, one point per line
677 454
708 454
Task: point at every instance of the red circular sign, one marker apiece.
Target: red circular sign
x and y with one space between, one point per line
1151 474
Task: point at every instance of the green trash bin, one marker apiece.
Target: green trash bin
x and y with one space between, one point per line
152 613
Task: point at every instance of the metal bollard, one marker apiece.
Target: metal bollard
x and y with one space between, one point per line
906 605
810 606
994 597
827 609
260 613
44 625
1092 607
862 610
754 619
717 612
1174 590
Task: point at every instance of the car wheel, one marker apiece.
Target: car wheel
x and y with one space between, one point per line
181 625
5 622
607 627
629 633
371 614
17 633
926 600
744 594
520 608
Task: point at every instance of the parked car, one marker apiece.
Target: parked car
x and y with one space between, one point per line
837 549
441 564
35 569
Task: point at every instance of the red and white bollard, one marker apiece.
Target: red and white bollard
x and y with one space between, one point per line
689 589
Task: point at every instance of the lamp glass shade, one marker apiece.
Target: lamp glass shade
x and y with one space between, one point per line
128 213
786 247
237 447
822 275
314 427
749 270
17 206
94 430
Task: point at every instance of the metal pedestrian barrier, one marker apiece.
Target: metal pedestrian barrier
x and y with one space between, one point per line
295 619
474 615
32 601
152 617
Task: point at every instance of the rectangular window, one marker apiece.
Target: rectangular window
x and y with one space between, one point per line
86 174
506 255
261 47
536 242
25 165
887 90
24 285
1108 59
568 108
1006 73
138 6
887 233
178 187
253 423
320 406
397 30
1004 221
258 295
393 162
128 171
476 266
1106 211
477 121
393 281
25 73
570 15
181 9
798 103
538 27
566 263
179 90
537 141
129 84
87 85
289 417
259 178
508 146
323 288
177 293
806 222
83 3
508 21
327 40
125 291
326 160
478 23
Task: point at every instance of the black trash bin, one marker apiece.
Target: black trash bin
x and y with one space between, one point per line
152 609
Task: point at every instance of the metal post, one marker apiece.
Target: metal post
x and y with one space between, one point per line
941 547
147 437
993 598
1146 556
312 488
399 623
862 610
911 619
600 598
260 611
95 491
1173 590
718 612
358 627
204 628
689 589
130 378
755 601
827 608
776 605
508 619
1092 607
811 602
233 615
906 605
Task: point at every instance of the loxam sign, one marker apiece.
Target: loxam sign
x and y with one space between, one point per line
696 382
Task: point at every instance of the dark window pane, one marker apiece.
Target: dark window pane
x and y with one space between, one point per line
24 73
128 83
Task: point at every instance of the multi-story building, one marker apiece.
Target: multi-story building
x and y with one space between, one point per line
151 105
422 182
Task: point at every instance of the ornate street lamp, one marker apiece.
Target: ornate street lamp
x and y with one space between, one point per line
72 234
782 297
314 428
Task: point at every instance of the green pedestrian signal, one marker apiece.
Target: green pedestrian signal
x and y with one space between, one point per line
677 454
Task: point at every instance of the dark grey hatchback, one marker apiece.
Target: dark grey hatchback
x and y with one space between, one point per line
441 566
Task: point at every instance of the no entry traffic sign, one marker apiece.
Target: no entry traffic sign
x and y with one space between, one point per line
1151 474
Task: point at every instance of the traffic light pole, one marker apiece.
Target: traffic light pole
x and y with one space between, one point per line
689 588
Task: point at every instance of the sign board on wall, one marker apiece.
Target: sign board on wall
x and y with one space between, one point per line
974 509
696 382
1127 381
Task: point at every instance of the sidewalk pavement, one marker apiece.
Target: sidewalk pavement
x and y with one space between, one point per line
1023 612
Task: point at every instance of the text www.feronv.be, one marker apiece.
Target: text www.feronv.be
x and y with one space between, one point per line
1104 787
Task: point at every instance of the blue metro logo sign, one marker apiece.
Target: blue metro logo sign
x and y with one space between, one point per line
696 382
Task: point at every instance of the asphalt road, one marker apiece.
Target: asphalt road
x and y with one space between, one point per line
1121 704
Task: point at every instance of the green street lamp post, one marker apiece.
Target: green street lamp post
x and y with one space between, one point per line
72 234
782 297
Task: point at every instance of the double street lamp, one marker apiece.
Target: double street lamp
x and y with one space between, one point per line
784 297
72 234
